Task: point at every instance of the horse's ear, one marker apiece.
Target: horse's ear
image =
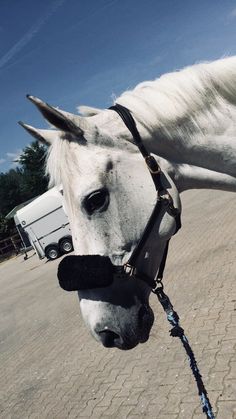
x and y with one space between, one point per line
45 136
65 121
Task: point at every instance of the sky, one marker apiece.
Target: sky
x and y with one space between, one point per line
74 52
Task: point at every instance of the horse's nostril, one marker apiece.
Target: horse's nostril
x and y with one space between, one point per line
108 338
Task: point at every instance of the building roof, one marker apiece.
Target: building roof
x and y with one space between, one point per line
15 209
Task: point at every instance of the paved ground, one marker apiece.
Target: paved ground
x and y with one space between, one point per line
51 368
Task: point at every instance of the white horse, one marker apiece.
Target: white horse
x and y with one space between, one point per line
188 120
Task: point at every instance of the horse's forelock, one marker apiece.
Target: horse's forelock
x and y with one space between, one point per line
61 162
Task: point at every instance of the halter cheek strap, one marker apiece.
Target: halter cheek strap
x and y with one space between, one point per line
164 201
151 162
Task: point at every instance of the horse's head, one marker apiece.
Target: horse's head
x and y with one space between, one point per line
108 195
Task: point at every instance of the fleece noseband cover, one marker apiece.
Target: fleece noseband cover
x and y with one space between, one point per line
85 272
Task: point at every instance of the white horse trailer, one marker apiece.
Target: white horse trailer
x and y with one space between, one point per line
45 223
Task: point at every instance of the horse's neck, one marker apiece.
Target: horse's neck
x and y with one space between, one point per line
203 160
187 176
212 147
190 116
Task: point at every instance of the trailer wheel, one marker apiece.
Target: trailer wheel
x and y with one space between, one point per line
66 245
52 252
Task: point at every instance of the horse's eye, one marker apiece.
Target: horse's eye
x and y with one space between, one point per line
97 201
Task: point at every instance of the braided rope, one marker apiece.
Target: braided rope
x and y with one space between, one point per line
178 331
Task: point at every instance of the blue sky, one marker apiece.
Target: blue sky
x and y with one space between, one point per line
74 52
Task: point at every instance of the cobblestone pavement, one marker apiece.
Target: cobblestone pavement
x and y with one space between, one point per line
51 368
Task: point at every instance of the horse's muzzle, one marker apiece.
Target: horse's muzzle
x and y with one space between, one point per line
86 272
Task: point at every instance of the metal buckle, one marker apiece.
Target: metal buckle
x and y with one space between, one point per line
168 201
129 269
164 195
149 160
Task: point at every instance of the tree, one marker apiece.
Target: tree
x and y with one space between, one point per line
23 183
10 196
32 162
10 190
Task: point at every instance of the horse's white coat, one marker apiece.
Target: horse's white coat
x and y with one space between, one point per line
186 118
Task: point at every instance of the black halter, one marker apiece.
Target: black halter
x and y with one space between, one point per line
164 199
95 271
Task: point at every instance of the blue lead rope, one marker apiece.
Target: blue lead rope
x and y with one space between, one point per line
178 331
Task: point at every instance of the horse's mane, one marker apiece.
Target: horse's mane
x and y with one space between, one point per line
177 103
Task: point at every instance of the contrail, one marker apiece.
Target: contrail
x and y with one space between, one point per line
30 34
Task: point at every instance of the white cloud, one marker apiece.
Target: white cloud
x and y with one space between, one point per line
13 156
232 14
2 161
30 34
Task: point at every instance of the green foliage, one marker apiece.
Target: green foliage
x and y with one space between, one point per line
23 183
32 162
10 190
